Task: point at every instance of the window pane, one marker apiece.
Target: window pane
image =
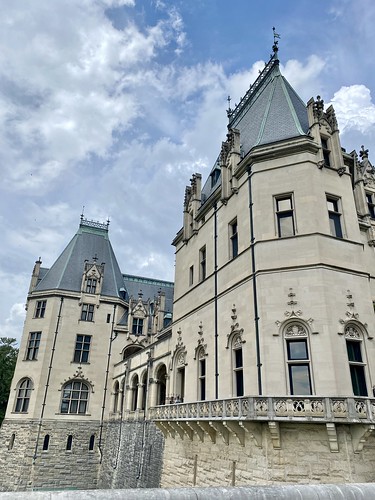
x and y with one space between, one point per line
299 379
354 351
239 383
284 204
335 225
357 374
297 349
238 358
285 221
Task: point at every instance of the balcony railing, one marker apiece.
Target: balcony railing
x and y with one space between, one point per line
317 409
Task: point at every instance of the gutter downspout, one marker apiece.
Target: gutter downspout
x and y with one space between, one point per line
48 379
111 339
216 306
255 294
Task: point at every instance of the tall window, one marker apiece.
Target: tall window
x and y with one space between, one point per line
82 349
33 346
137 328
233 239
202 263
357 367
75 397
285 215
116 390
238 367
45 442
202 376
23 396
334 215
326 152
370 204
91 442
40 308
69 443
298 366
91 285
87 313
191 275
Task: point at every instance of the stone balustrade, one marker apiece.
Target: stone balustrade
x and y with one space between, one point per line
291 408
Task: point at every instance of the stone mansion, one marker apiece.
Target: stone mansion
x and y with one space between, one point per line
256 366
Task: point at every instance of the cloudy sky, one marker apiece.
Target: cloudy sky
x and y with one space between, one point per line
113 104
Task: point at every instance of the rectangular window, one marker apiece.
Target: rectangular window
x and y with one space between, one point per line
137 328
299 367
82 349
202 379
202 263
285 215
370 204
40 308
238 372
334 215
357 368
233 239
33 346
87 313
91 285
191 275
326 152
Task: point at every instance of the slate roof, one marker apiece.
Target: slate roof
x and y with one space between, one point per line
270 111
92 241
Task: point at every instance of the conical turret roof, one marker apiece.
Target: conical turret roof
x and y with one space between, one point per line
91 242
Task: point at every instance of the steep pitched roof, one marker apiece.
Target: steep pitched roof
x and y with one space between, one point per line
150 289
270 111
91 240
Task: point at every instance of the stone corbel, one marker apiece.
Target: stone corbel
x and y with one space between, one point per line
274 428
234 427
186 429
196 429
360 434
175 426
254 430
207 429
221 429
332 437
165 429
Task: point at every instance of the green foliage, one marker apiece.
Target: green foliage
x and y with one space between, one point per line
8 358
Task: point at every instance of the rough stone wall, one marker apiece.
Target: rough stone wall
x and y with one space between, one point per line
53 468
133 456
304 457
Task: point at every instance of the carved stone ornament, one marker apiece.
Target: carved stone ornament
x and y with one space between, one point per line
179 354
79 375
290 314
295 330
351 323
352 332
366 170
234 328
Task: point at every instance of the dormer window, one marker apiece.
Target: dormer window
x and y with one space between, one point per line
371 204
215 176
137 328
91 284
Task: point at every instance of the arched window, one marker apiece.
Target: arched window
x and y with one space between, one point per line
161 377
298 359
69 443
130 350
75 395
237 363
11 442
180 362
24 389
115 396
46 442
134 388
92 442
201 357
356 358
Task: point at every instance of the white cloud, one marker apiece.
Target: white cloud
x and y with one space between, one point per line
305 78
354 108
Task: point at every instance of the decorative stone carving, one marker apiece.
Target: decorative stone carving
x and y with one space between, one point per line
351 325
290 314
295 330
235 331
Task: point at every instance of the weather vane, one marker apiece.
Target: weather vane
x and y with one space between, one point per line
276 36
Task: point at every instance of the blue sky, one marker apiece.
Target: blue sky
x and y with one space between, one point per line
113 104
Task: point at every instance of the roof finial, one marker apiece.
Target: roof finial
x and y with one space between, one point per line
83 210
229 111
275 47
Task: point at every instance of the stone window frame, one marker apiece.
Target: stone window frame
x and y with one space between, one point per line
238 379
81 351
282 213
354 332
33 344
79 402
298 330
22 401
87 312
335 216
233 238
201 356
40 309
